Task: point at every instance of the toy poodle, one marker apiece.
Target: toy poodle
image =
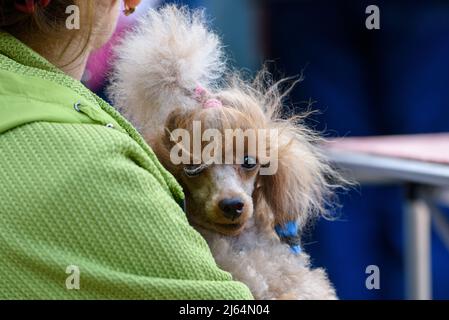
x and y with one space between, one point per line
252 201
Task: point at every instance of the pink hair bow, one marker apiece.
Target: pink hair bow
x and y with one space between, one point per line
200 94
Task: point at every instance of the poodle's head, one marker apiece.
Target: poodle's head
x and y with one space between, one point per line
242 159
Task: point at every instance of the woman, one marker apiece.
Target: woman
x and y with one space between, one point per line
86 209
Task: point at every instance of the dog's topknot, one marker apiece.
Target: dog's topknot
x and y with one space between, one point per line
158 63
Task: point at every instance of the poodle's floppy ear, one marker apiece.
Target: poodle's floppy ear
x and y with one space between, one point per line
162 142
298 187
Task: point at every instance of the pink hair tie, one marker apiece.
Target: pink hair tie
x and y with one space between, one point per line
200 94
212 103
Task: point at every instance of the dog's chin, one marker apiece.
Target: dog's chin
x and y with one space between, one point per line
233 229
227 229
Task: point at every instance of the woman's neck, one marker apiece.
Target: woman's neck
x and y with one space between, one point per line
62 55
72 67
76 68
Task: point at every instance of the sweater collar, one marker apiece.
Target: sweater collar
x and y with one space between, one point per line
25 58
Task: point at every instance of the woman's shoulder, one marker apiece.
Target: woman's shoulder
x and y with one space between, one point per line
75 119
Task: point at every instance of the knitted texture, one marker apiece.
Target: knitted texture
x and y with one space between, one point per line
93 197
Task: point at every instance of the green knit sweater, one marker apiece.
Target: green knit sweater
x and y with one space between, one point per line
83 200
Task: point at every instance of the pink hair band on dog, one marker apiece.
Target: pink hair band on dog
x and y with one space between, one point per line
212 103
200 92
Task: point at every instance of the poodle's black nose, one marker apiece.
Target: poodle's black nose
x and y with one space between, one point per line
232 207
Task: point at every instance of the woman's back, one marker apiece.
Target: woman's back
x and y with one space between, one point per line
84 201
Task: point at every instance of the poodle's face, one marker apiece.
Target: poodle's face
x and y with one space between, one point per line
219 196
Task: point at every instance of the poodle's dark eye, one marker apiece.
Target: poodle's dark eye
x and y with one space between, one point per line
192 170
249 163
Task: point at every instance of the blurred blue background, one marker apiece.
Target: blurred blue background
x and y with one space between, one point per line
364 82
